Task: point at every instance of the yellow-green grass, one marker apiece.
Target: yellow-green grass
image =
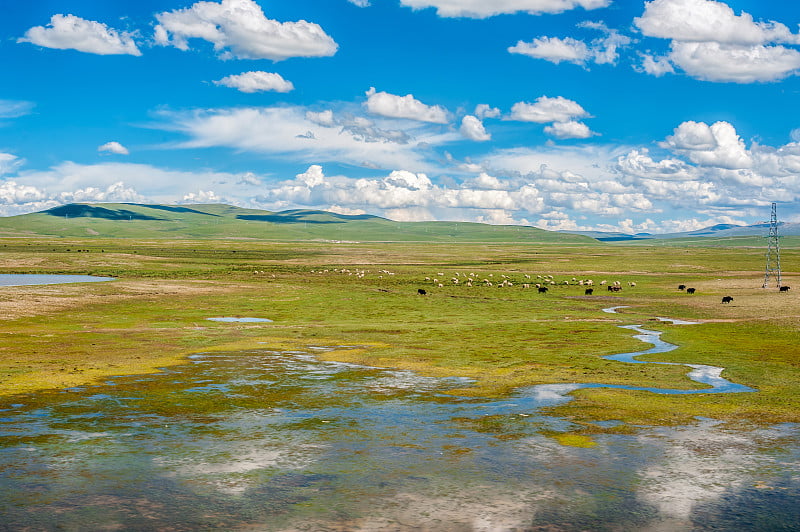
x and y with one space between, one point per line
504 338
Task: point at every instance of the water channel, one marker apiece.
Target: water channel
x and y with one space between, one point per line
279 440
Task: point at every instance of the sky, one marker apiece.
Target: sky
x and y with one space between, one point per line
613 115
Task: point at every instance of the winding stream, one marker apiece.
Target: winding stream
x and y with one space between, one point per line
280 440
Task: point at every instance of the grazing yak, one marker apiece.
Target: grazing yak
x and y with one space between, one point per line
784 288
421 291
727 299
690 290
588 291
681 287
542 289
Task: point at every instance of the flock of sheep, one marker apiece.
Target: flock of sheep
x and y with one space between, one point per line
540 282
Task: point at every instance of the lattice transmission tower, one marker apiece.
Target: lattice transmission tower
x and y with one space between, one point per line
773 267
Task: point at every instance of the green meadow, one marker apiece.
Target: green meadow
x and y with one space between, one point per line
363 295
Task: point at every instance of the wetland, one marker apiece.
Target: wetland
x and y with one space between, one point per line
360 404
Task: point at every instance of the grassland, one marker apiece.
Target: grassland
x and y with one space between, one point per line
365 294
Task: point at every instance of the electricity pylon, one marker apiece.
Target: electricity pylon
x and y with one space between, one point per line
773 267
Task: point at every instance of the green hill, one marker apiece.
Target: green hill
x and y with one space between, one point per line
129 220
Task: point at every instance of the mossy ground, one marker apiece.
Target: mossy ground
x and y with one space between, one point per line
316 294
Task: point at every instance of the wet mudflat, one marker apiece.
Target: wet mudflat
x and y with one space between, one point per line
271 440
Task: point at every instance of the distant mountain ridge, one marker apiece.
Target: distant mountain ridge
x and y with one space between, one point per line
719 231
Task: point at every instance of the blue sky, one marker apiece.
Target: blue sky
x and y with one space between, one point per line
633 116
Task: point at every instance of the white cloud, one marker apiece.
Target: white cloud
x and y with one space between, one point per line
201 197
707 20
483 110
484 9
360 3
114 147
239 28
14 108
717 145
638 163
12 193
472 128
710 42
256 81
390 105
68 32
558 109
569 130
554 50
656 66
291 132
712 61
9 163
602 50
323 118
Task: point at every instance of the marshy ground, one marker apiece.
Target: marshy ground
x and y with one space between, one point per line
504 337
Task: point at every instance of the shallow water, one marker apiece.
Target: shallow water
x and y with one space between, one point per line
28 279
267 440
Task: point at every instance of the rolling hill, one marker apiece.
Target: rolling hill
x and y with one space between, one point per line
129 220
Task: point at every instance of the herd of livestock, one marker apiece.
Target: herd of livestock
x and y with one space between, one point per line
541 283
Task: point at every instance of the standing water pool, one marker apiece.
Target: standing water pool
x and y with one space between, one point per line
269 440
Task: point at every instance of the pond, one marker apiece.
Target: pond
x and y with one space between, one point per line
28 279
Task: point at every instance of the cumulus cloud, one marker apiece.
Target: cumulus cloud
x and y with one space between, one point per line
638 163
710 42
603 50
323 118
484 9
554 50
113 147
256 81
202 197
483 110
569 130
708 20
239 28
655 66
712 61
390 105
12 193
360 3
546 109
472 128
68 32
717 145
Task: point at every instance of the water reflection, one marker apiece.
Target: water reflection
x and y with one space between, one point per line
282 441
29 279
